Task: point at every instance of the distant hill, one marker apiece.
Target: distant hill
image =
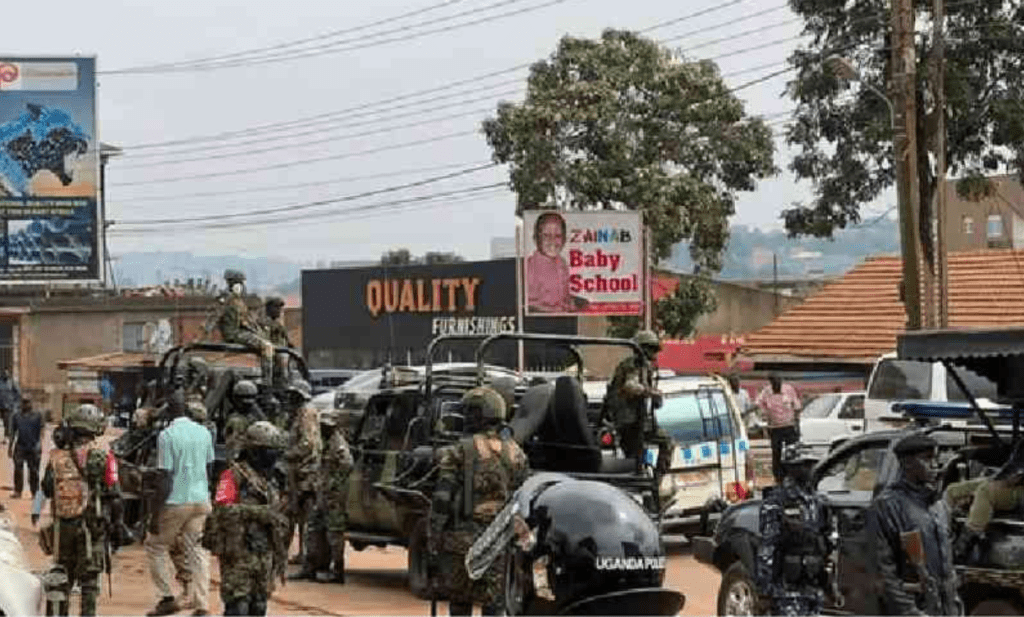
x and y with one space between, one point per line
750 250
143 269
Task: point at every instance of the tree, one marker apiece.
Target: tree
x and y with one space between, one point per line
403 257
397 257
617 123
441 258
676 314
845 142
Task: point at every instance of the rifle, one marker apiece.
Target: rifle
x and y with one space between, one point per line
913 546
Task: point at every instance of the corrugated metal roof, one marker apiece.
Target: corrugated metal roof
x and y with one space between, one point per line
858 317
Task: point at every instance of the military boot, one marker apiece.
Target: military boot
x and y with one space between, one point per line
338 569
307 573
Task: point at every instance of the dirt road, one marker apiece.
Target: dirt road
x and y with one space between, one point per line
376 582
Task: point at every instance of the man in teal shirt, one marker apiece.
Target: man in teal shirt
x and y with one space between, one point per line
185 458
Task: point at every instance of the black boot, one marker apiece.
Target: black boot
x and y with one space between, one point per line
338 569
459 608
307 573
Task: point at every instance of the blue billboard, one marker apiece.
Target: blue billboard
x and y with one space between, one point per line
49 171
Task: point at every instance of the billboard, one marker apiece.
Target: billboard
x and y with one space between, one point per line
583 263
49 171
359 317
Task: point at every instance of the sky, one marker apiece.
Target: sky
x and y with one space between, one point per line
378 144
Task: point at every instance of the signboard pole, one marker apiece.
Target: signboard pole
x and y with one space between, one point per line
647 277
520 291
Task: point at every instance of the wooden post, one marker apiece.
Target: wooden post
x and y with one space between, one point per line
942 268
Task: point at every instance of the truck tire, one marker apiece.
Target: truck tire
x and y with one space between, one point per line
419 553
999 606
737 594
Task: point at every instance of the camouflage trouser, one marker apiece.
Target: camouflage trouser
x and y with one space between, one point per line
488 591
81 556
325 538
988 495
246 582
266 349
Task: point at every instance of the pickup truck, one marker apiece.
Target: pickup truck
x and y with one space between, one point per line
848 478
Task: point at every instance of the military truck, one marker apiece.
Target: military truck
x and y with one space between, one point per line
395 442
226 365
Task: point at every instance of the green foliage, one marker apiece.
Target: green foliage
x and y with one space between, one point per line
675 316
617 123
402 257
843 130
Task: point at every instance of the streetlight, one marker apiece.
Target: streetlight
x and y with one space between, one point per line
906 174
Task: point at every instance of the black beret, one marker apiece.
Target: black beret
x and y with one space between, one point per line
915 444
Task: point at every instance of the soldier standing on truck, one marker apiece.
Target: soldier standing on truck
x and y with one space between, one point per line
625 403
247 528
911 536
325 532
237 325
477 476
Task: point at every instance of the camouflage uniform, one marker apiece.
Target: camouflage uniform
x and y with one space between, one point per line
80 482
325 533
477 476
303 458
631 383
247 528
248 412
1002 492
237 325
271 324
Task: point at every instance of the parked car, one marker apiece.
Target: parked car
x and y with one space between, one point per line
831 419
711 465
21 591
848 478
323 380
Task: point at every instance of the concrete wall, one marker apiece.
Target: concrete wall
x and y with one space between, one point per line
960 210
741 310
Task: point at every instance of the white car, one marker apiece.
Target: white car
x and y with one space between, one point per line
831 419
21 591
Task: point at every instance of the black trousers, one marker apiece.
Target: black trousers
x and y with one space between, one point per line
31 459
780 438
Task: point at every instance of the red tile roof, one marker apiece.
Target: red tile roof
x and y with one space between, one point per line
858 317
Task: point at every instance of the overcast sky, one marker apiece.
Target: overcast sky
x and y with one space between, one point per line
139 109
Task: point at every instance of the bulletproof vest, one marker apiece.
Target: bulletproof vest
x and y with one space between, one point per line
488 470
254 489
623 409
70 487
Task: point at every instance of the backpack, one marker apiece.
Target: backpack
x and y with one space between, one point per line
70 487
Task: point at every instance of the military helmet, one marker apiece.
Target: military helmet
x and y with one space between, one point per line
88 417
301 387
264 434
274 301
244 389
197 411
234 276
647 338
490 403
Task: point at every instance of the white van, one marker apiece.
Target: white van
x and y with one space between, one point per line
711 466
893 381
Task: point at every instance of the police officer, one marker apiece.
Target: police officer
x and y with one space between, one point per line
237 325
477 475
248 526
325 533
81 479
302 458
1002 492
624 403
910 505
793 568
246 412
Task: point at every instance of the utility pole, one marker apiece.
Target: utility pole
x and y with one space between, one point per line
905 153
942 264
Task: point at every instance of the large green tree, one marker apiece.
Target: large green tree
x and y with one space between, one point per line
618 123
842 130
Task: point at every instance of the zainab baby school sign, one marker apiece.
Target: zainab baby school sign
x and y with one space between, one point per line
582 263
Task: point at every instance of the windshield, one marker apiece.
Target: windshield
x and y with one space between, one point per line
368 380
901 380
978 386
695 416
820 407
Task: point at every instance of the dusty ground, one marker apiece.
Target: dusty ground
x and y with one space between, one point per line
376 578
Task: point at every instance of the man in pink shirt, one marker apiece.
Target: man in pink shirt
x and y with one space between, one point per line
781 406
546 269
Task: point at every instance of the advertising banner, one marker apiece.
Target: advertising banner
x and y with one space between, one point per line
49 171
583 263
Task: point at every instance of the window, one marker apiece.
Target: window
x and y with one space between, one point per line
820 407
135 337
900 380
856 472
696 416
853 408
978 386
994 228
968 226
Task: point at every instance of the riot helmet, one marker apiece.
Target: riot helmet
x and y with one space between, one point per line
798 463
584 548
484 406
648 342
244 392
87 419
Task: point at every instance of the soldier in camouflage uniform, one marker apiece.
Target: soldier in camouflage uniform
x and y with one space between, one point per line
302 458
803 539
271 322
81 479
624 403
246 412
248 526
325 533
1003 492
237 325
477 476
